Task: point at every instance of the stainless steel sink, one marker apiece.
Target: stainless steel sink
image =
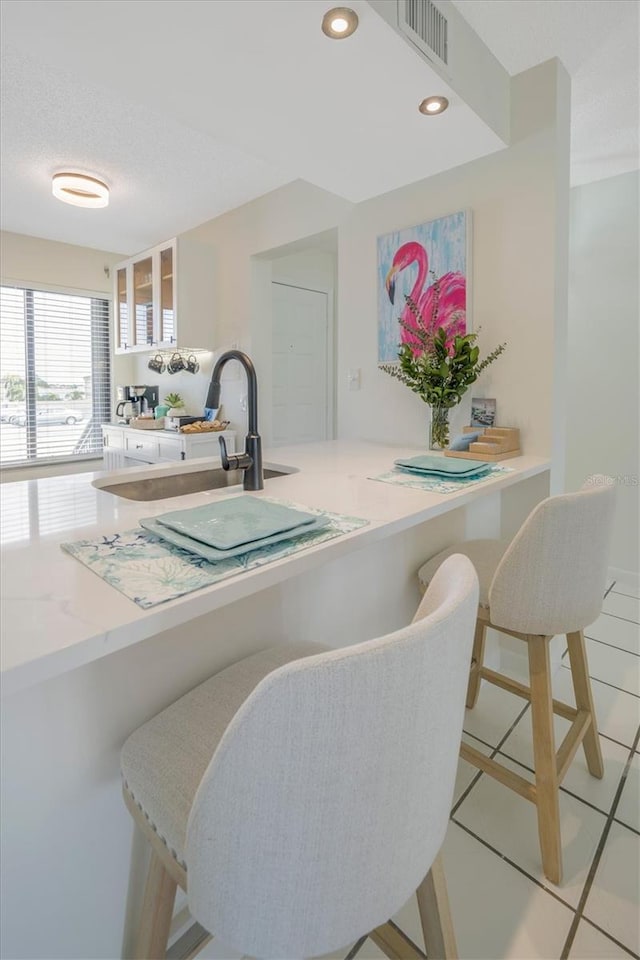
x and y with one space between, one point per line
180 484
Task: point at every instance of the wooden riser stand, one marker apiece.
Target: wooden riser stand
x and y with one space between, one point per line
497 443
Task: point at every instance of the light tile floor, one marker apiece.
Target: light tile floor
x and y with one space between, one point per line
502 905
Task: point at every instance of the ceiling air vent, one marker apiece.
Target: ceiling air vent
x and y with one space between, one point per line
428 29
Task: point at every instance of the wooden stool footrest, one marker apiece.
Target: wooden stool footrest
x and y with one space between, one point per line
573 739
496 770
394 943
520 690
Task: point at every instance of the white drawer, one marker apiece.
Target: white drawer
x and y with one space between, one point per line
171 449
208 444
142 448
112 437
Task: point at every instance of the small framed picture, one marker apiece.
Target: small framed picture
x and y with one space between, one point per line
483 412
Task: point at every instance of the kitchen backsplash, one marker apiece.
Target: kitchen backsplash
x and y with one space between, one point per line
193 387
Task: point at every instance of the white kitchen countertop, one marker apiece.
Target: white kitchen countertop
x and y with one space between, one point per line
163 432
58 615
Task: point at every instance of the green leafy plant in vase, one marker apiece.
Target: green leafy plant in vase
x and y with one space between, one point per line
176 405
439 368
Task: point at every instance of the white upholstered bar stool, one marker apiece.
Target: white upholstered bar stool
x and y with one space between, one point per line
549 580
302 795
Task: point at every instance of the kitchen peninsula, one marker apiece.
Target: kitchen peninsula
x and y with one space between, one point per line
83 666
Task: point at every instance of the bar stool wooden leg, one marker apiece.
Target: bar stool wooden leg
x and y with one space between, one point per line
157 912
544 752
584 701
477 657
435 914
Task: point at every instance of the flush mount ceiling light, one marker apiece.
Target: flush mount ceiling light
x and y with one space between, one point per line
340 22
433 105
80 189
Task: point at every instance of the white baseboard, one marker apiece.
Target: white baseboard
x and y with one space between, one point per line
625 578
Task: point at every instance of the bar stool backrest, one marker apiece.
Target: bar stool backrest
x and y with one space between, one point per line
328 797
553 575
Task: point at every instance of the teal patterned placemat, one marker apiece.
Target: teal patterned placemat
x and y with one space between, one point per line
435 484
150 571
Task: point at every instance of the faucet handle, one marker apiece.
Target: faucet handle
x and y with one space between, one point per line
223 454
238 462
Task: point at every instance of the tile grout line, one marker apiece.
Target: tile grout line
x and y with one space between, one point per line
616 616
619 593
627 825
494 750
513 864
614 646
356 947
618 943
512 727
613 740
595 863
587 803
465 793
485 743
607 684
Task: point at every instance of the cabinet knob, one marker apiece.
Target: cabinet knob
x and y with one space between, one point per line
138 446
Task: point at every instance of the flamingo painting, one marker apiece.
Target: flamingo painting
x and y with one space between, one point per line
442 304
427 263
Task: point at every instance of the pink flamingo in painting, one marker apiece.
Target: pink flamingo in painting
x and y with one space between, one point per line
443 304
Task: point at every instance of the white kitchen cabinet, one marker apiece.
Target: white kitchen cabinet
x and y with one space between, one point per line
128 447
161 297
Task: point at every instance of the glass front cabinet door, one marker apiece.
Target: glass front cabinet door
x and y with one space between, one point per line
145 315
166 314
122 339
143 301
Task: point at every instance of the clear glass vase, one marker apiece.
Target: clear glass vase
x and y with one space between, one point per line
439 428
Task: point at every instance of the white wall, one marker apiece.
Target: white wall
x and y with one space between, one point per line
244 241
517 197
314 269
46 262
602 372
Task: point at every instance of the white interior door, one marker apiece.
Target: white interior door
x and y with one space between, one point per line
300 362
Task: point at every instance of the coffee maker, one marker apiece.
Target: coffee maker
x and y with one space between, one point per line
132 401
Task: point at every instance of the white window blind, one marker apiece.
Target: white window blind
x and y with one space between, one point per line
55 381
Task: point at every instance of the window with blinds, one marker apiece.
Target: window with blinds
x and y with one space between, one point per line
55 379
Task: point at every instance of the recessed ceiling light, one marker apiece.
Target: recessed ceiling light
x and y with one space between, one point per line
80 189
433 105
340 22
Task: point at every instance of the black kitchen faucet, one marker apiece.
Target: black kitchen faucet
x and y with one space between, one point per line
251 460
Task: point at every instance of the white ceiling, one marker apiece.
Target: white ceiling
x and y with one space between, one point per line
598 41
189 108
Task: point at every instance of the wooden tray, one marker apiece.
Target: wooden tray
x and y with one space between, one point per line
201 427
148 424
496 443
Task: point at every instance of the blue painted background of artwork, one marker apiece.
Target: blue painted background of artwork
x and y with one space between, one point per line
445 241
